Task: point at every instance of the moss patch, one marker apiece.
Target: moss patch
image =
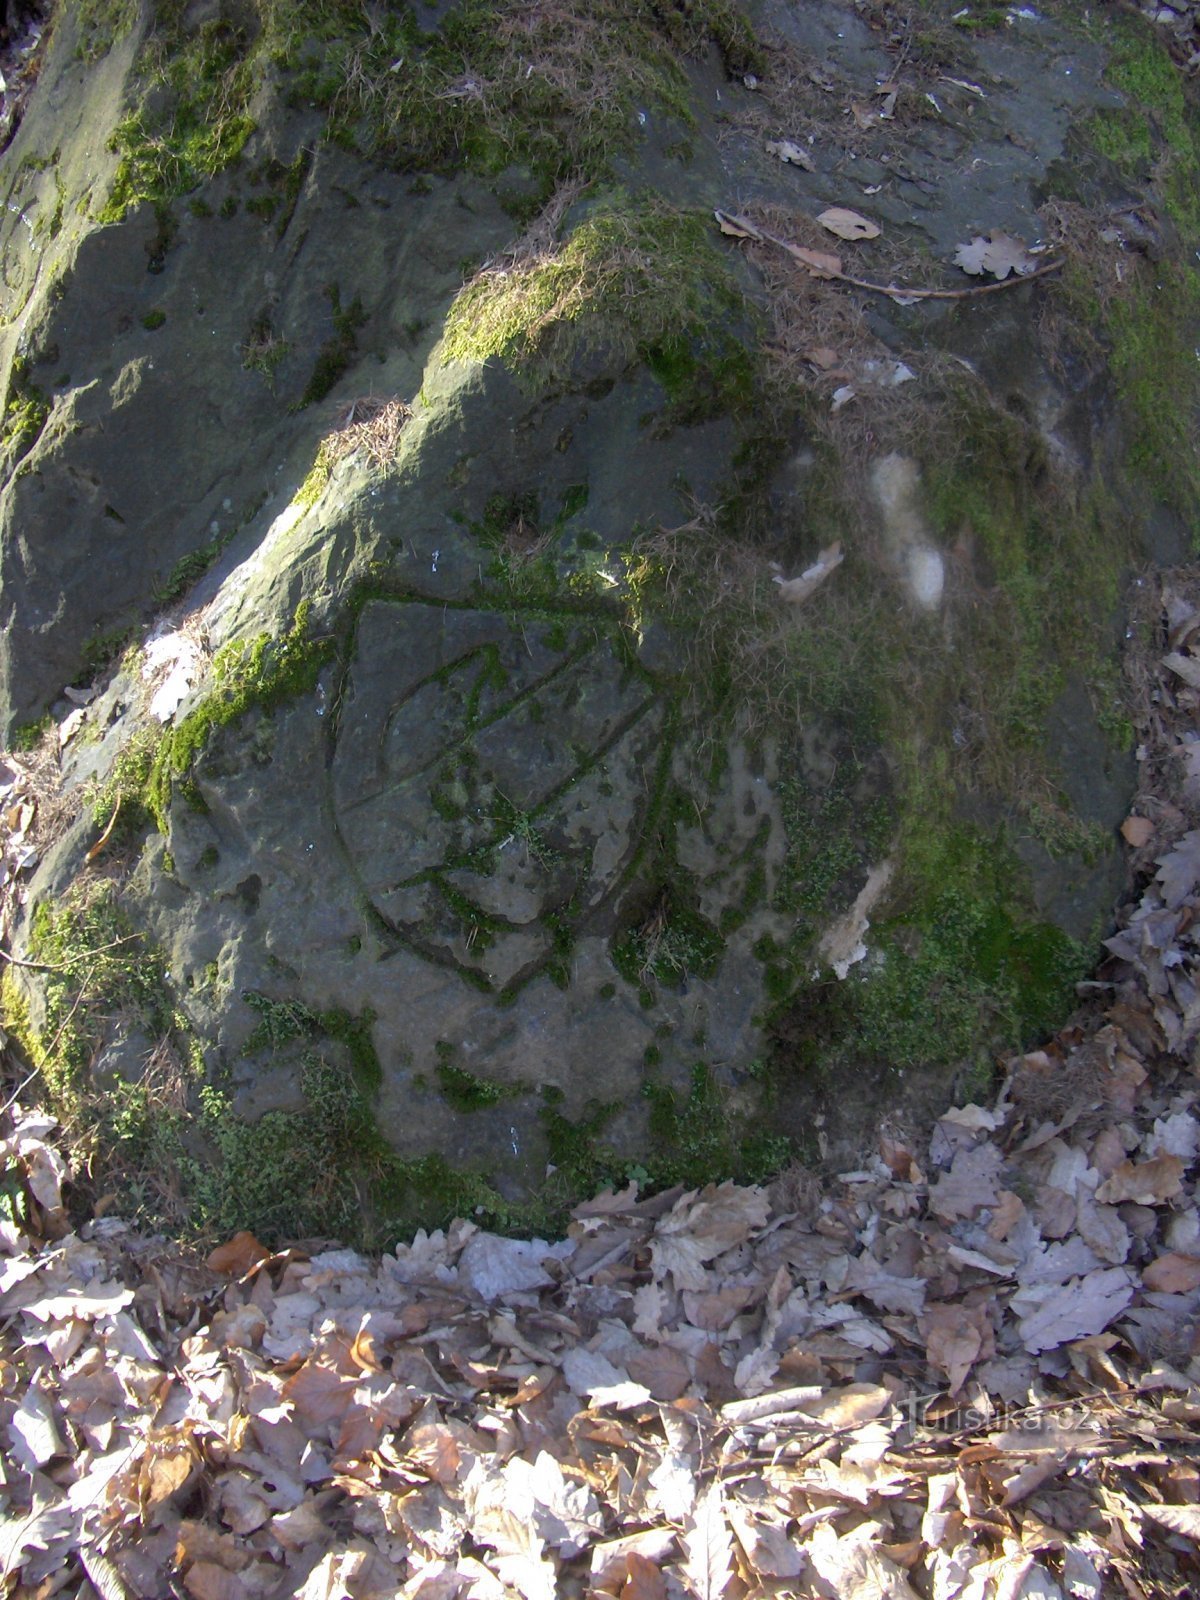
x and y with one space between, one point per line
637 280
265 674
26 409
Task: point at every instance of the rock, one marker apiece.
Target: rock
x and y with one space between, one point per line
500 826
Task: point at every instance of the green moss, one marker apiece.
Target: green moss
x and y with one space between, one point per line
555 91
465 1091
100 969
1158 378
193 117
101 23
1158 130
283 1021
30 734
334 356
153 319
26 409
265 674
638 280
692 1134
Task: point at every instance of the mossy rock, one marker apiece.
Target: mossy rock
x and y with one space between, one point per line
514 826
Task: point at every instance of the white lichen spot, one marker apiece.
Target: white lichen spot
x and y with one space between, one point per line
926 576
176 660
843 944
896 488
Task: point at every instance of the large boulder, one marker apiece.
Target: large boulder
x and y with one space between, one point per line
599 696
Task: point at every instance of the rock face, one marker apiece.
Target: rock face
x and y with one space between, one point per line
483 797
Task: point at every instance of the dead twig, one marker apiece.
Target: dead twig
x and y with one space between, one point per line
106 835
65 966
820 266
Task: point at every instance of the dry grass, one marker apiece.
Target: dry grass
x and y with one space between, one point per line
38 772
370 426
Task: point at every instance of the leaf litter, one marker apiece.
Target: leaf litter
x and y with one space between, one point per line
968 1371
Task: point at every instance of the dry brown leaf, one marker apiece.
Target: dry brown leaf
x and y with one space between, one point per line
319 1393
1185 667
1137 831
847 1408
1056 1315
1179 1519
1149 1183
768 1550
969 1186
848 224
433 1450
238 1256
643 1580
736 227
164 1469
662 1370
207 1581
699 1228
954 1340
610 1560
855 1566
1172 1273
196 1541
820 264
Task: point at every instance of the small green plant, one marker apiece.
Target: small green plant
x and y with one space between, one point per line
667 942
263 351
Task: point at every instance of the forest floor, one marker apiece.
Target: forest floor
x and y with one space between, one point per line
968 1371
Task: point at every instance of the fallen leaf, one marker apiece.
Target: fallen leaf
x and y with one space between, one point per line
736 227
697 1229
855 1567
1172 1273
643 1580
1054 1315
848 224
1179 870
789 152
1148 1183
35 1430
954 1340
996 253
1185 667
663 1371
1137 831
708 1569
238 1256
1179 1519
816 261
969 1186
767 1547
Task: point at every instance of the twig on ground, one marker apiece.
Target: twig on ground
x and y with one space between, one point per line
818 266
